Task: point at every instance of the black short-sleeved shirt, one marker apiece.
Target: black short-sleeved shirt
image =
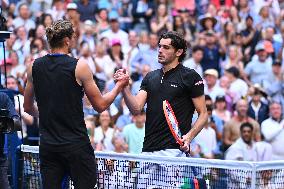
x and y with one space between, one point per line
178 86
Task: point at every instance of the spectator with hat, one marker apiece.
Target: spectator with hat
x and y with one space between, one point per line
115 32
116 54
258 110
207 23
211 87
256 70
72 13
88 35
72 6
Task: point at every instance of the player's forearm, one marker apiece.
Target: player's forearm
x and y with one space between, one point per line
108 99
198 125
131 102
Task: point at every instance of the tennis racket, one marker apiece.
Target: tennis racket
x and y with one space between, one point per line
174 127
173 123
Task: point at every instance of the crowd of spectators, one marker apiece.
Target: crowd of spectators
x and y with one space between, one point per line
236 46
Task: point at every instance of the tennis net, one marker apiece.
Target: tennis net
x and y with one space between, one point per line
139 171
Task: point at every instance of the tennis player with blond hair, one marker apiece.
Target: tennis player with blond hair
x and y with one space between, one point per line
57 82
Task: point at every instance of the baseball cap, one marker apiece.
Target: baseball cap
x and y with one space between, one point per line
211 72
220 98
113 15
71 6
88 22
8 61
115 42
268 46
259 90
260 46
277 62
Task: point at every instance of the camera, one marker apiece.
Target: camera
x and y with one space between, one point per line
6 123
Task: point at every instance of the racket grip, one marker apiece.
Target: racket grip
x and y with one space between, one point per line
187 154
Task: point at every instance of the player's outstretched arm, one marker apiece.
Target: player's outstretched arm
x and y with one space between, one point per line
134 103
100 102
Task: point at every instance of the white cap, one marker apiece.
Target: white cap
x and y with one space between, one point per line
71 6
211 72
259 46
88 22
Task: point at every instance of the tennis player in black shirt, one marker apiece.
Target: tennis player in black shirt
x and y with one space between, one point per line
181 86
58 82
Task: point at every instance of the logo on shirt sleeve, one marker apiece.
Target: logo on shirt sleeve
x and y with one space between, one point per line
199 83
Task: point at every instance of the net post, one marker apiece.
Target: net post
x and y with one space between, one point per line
253 179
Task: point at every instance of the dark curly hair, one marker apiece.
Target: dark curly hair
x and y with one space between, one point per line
58 31
177 41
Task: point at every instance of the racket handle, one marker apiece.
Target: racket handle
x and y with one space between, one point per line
187 154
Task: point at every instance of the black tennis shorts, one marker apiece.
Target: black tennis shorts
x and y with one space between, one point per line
79 164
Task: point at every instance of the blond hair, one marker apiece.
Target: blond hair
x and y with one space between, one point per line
58 31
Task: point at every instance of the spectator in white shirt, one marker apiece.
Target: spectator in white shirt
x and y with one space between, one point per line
194 61
244 148
207 139
263 150
115 32
212 87
24 18
104 133
238 87
273 130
